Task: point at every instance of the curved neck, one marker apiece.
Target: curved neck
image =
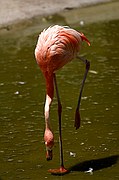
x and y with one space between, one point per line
47 111
49 97
49 84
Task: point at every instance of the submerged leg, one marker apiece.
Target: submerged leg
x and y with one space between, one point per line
77 113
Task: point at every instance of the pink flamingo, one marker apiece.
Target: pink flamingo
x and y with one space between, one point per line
57 46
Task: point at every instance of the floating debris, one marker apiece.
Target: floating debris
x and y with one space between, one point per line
10 160
93 72
84 97
20 161
22 82
17 92
68 107
81 23
90 171
72 154
1 84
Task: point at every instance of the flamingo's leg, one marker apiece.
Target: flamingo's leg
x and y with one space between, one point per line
77 113
59 116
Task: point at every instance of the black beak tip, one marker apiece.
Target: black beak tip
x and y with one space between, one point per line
49 158
49 155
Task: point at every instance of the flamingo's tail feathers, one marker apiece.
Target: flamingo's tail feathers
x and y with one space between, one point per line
83 37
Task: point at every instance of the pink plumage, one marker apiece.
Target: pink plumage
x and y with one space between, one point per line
57 46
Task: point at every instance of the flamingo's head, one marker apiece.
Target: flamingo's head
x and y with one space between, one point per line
83 37
49 142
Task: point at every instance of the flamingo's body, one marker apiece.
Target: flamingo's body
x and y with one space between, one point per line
56 46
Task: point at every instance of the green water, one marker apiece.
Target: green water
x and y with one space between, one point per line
22 93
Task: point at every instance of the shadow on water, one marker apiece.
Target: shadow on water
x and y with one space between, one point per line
94 164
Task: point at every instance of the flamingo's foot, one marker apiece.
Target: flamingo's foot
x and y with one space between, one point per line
60 171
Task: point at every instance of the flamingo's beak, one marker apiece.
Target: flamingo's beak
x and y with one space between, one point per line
49 154
84 38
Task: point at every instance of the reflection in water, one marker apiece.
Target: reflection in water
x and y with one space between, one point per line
22 93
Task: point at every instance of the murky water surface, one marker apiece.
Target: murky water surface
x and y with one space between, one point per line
22 92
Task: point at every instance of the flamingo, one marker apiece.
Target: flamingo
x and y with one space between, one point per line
56 46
